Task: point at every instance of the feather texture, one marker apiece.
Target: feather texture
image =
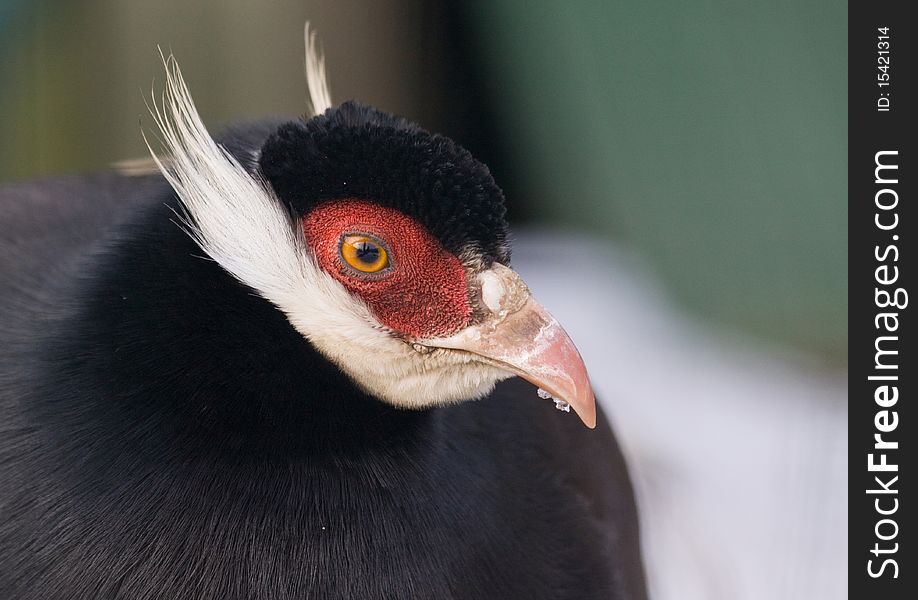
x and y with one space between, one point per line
316 82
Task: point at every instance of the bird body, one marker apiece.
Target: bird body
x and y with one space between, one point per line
172 431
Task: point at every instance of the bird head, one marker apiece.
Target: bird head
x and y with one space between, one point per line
385 246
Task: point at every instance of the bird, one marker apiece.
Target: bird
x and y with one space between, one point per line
293 361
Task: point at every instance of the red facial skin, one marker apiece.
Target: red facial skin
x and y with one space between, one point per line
425 294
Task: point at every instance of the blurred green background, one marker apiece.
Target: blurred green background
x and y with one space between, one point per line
709 137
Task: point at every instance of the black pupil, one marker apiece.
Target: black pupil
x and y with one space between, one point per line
367 252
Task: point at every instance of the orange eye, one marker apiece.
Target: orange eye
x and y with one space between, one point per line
364 253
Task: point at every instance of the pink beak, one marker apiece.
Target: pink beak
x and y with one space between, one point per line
526 340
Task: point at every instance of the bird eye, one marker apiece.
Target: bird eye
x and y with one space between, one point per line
364 253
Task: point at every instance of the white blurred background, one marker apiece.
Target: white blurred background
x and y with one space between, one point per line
738 450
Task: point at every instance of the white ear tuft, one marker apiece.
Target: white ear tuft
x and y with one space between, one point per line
233 216
317 84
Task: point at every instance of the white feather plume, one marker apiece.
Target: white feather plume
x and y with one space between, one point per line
316 82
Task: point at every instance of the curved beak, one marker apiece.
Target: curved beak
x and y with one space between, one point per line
522 337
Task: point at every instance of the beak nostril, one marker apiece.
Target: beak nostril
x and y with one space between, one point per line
492 290
502 290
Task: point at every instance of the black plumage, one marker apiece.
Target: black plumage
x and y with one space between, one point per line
165 433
